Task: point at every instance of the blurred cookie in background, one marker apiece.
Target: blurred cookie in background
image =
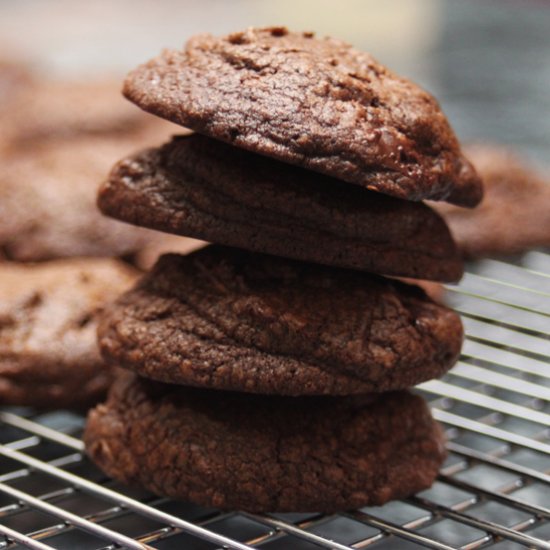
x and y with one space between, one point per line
57 109
58 142
14 77
514 214
48 202
48 319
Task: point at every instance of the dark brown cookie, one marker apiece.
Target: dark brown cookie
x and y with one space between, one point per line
48 321
229 319
265 454
48 202
202 188
317 103
515 213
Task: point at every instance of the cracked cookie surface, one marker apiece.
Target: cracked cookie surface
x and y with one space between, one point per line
48 322
265 454
317 103
199 187
234 320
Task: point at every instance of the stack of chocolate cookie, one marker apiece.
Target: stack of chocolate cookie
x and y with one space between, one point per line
318 187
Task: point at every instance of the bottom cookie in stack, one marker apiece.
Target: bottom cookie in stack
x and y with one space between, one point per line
265 453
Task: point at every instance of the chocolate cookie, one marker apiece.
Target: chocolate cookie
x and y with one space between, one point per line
199 187
265 454
317 103
515 213
48 321
48 202
229 319
50 109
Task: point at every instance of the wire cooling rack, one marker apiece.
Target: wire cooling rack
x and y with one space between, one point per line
492 492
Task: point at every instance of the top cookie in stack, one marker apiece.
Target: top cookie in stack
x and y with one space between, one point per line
333 112
316 103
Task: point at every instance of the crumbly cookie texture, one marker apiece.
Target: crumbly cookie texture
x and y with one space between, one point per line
200 187
265 454
48 322
514 215
229 319
317 103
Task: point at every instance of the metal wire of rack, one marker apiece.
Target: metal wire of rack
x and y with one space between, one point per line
492 492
